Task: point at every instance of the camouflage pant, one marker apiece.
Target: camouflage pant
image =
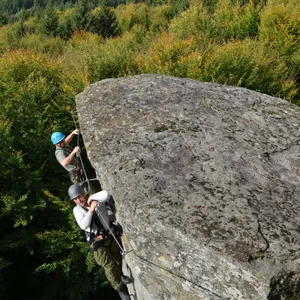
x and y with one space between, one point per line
110 258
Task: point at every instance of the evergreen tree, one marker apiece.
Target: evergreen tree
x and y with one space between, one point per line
81 16
3 19
103 22
66 28
49 21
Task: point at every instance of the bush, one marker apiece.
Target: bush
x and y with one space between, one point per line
280 33
15 32
242 63
38 43
196 21
131 14
31 25
236 21
159 17
3 38
169 55
115 58
80 52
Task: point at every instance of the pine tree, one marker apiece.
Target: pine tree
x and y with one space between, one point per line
49 22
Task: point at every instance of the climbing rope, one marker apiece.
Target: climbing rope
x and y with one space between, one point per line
79 155
75 124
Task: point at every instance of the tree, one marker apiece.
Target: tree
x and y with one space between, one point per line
81 16
3 19
103 22
49 21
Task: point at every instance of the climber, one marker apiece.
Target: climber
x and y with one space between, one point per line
67 156
95 224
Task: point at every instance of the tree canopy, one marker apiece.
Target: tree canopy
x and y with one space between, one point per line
51 50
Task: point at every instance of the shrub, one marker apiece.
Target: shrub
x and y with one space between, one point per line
3 38
236 21
15 32
169 55
80 52
31 25
131 14
115 58
196 21
159 17
52 46
242 63
280 33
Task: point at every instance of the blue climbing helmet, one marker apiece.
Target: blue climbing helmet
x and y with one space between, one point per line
57 137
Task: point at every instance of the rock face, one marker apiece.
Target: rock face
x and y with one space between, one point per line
206 182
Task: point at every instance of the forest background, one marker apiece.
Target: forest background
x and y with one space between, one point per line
51 50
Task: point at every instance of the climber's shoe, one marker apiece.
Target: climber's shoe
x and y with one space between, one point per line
123 293
125 279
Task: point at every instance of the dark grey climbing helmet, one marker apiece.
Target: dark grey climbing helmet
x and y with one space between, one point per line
74 191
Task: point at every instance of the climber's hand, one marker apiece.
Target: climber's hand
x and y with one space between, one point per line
76 149
76 131
90 200
93 205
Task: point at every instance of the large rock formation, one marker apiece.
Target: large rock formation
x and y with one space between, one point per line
206 182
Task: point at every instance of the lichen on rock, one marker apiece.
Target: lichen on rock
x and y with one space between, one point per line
205 178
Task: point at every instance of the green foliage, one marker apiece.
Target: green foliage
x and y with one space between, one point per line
196 21
15 32
243 64
3 19
159 17
103 22
169 55
31 25
81 16
52 46
235 21
132 14
49 22
115 59
66 25
179 6
49 55
95 60
80 52
28 86
280 34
